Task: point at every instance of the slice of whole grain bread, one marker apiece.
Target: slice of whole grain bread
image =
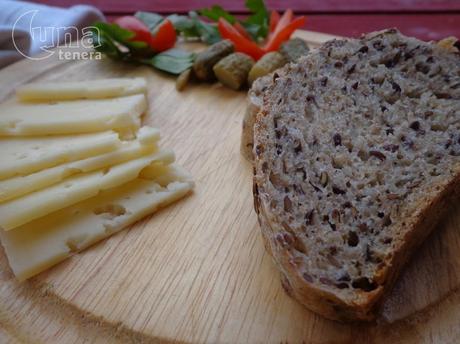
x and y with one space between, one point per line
357 152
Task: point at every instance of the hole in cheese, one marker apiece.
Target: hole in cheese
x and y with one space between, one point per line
76 243
110 211
22 156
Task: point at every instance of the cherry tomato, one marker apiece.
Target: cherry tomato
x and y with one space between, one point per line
164 37
140 30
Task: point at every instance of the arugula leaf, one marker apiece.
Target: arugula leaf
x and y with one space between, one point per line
114 41
119 35
180 22
216 12
104 44
173 61
256 6
208 33
116 32
252 29
188 26
150 19
184 25
179 54
259 20
256 24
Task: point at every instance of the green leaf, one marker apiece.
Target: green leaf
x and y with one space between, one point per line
259 20
184 25
178 54
256 6
110 40
216 12
170 65
252 29
150 19
173 61
104 44
188 26
180 22
137 45
207 32
116 32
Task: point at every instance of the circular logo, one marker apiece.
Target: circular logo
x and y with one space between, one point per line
36 33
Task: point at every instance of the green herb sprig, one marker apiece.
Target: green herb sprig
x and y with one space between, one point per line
256 24
115 42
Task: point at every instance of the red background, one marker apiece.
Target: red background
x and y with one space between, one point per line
425 19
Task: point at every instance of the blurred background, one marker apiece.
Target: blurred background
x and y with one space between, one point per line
23 25
424 19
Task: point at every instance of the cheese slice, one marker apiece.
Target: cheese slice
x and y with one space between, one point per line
24 155
89 89
38 245
164 174
72 190
71 117
17 186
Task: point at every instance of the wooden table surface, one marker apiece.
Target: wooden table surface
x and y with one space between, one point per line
197 271
425 19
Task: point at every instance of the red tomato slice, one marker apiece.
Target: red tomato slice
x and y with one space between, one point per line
284 34
141 31
241 30
285 19
165 36
274 19
242 44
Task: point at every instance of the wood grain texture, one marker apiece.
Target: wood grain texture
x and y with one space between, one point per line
197 271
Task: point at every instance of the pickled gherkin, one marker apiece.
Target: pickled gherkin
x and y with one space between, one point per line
267 64
205 60
294 49
183 79
233 70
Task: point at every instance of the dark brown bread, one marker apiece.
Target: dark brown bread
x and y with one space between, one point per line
357 152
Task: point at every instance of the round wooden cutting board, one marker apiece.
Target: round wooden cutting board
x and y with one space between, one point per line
197 271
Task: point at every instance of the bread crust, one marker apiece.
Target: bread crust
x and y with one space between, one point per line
328 304
254 103
319 298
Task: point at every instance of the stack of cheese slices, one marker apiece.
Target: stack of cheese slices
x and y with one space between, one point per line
76 166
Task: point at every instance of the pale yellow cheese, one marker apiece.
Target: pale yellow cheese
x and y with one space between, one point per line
72 190
164 174
88 89
24 155
44 242
71 117
17 186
